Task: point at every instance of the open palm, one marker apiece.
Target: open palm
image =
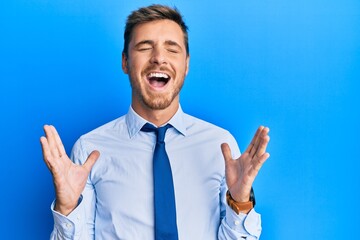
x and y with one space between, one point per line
69 178
240 173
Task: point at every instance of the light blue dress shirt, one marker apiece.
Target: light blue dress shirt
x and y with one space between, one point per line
117 202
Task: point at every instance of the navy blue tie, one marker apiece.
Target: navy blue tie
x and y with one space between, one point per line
164 197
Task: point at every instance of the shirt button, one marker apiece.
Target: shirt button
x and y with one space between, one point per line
236 223
68 225
78 217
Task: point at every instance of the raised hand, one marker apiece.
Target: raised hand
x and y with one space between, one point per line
69 178
241 172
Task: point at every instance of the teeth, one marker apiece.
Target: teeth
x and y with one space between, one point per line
158 75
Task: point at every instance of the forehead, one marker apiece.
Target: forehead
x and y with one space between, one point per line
158 31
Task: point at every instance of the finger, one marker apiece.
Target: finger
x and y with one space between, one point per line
49 133
260 161
90 161
256 136
226 152
59 144
45 151
257 140
262 146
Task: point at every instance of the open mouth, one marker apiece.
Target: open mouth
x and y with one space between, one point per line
158 80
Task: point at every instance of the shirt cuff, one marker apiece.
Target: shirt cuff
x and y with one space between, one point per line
71 225
244 223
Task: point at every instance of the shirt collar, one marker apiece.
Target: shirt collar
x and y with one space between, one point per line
135 122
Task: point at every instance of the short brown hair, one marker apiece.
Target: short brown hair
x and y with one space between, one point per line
152 13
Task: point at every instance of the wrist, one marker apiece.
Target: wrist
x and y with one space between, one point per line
239 207
64 210
240 199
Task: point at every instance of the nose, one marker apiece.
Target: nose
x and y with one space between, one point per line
158 56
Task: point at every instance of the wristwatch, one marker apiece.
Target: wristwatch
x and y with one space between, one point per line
241 206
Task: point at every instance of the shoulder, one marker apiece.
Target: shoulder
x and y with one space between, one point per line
204 130
197 125
207 132
103 135
110 129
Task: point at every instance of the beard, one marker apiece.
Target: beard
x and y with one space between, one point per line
153 100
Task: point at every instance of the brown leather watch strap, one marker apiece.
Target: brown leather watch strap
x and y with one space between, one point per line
238 206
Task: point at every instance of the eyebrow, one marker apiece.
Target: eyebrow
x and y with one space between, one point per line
172 43
151 42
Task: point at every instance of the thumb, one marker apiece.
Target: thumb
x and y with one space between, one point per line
90 161
226 152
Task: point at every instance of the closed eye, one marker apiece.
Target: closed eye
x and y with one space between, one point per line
144 49
144 45
173 46
173 50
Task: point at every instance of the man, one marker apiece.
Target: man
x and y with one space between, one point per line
110 191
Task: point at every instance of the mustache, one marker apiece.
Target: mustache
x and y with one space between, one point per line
153 68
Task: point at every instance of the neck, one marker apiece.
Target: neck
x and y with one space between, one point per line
156 116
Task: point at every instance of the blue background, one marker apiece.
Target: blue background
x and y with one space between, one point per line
291 65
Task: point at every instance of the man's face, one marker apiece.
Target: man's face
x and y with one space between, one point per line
157 64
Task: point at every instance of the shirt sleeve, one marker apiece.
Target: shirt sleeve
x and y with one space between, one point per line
71 226
233 226
79 224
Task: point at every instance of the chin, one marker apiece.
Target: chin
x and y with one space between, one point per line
158 105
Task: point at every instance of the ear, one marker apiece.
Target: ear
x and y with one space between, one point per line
124 63
187 64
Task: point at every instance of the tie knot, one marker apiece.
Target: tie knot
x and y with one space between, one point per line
160 132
